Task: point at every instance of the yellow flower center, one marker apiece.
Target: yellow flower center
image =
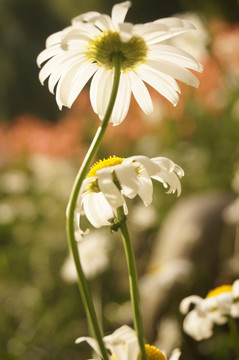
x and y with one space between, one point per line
219 290
111 161
153 353
102 48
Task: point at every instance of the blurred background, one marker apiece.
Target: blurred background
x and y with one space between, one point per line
183 246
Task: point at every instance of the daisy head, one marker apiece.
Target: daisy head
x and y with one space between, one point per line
112 180
86 50
215 308
123 345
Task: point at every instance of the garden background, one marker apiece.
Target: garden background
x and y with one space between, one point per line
183 246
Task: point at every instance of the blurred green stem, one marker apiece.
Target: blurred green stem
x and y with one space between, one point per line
82 282
234 335
133 282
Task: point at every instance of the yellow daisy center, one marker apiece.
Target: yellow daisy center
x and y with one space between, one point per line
102 48
219 290
111 161
153 353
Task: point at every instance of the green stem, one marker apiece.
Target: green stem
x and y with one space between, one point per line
234 335
82 282
133 282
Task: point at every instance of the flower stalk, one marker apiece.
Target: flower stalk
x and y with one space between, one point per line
133 282
82 283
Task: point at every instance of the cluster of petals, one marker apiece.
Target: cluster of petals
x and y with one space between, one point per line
130 178
67 67
123 345
209 311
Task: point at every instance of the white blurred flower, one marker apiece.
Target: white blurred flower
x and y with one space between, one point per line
231 212
143 218
14 182
221 302
165 276
112 179
85 49
194 42
123 345
93 251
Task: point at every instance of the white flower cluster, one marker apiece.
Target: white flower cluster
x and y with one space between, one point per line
214 309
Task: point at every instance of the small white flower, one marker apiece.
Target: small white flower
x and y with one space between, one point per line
194 42
221 302
85 49
123 345
111 180
93 251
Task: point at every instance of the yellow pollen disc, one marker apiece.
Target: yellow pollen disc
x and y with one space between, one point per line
111 161
102 48
153 353
219 290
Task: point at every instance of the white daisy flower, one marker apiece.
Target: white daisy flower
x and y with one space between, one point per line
111 180
86 48
123 345
93 252
219 303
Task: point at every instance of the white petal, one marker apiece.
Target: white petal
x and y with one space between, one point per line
174 55
122 102
173 27
145 187
80 79
62 70
97 209
54 39
88 16
128 179
125 31
52 66
186 302
235 289
175 354
151 167
141 93
132 350
104 23
108 188
48 53
198 327
71 84
159 83
177 72
92 342
100 90
119 12
122 335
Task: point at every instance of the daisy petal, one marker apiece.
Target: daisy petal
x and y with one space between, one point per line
122 101
100 90
159 83
119 12
141 93
108 188
73 81
92 342
177 72
97 209
128 180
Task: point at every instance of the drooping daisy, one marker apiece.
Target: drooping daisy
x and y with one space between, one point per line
219 303
86 48
123 345
111 180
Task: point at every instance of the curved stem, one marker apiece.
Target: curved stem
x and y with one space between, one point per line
133 282
82 282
